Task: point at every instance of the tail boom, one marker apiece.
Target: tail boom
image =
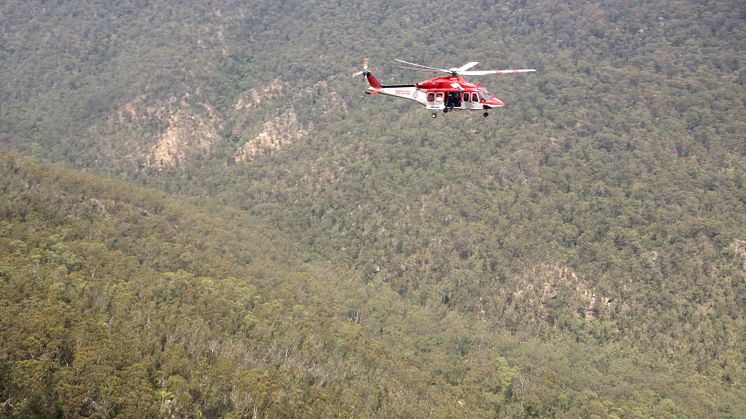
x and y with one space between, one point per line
372 80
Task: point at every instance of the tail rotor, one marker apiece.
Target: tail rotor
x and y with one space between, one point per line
364 71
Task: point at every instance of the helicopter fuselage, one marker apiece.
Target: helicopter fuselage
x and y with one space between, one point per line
440 93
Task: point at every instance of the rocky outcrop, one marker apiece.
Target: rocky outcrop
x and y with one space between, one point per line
254 98
188 134
279 129
275 133
160 134
166 134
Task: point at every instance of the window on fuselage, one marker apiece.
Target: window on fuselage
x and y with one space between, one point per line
474 97
466 97
439 96
431 97
484 94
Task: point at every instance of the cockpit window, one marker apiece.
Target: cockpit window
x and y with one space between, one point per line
484 94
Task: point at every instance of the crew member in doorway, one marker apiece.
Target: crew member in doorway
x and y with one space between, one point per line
453 100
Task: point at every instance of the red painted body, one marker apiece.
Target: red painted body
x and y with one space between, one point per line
445 84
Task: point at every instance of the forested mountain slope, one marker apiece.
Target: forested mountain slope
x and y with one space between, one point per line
122 301
119 300
592 232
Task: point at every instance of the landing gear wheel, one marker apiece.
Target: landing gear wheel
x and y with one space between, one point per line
485 114
445 110
434 115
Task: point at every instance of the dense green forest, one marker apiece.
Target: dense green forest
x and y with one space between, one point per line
121 301
278 243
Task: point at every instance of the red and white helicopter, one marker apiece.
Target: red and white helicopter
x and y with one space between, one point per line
443 93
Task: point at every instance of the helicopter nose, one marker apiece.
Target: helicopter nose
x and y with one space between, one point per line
495 102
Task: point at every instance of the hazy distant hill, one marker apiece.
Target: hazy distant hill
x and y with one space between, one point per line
160 85
599 218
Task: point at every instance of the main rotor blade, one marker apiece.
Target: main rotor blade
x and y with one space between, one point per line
443 70
485 72
466 66
417 69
